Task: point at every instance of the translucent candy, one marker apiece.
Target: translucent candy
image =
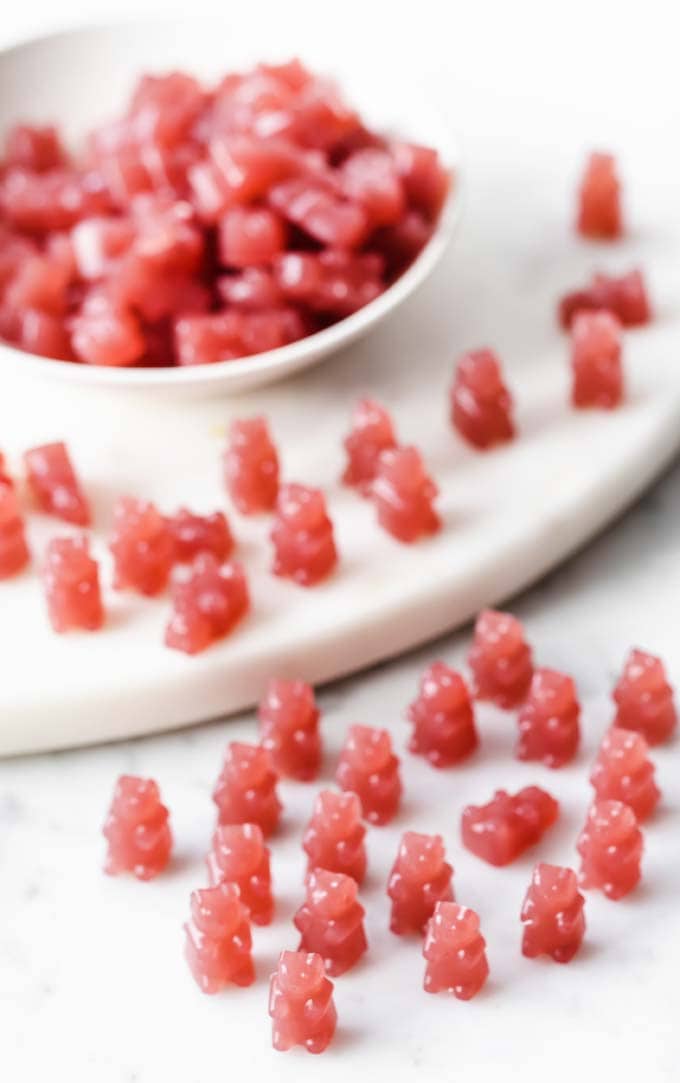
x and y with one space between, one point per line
208 600
35 148
137 830
289 729
548 720
455 952
501 830
14 554
250 237
251 466
301 1003
218 942
370 177
369 768
239 856
443 718
332 281
245 792
142 547
71 580
481 405
103 332
302 535
611 847
552 914
425 179
372 432
420 878
334 838
623 772
193 534
331 921
625 296
500 659
599 209
644 698
597 370
54 483
318 209
403 494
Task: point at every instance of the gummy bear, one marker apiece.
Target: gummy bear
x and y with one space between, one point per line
443 718
625 296
599 209
208 601
137 829
552 914
289 729
611 847
455 951
623 772
71 579
403 493
549 720
501 830
369 768
245 791
141 545
251 466
14 554
500 659
481 405
218 941
302 535
372 432
644 698
334 839
597 371
331 920
193 534
420 878
301 1003
54 484
239 856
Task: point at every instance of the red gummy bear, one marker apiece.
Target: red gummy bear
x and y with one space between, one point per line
302 535
611 847
552 914
334 839
596 361
501 830
54 484
443 718
193 534
301 1003
239 856
420 878
71 579
289 729
14 554
331 921
137 829
455 951
481 405
500 659
403 494
644 698
245 792
549 720
251 466
218 940
142 547
623 772
207 604
369 768
372 432
599 210
625 296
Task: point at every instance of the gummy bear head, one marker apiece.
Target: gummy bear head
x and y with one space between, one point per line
645 672
330 894
370 416
552 691
480 371
217 911
249 765
403 469
337 813
70 557
453 926
443 688
500 635
135 799
610 822
290 703
300 507
421 857
625 750
300 974
554 886
239 849
368 748
250 434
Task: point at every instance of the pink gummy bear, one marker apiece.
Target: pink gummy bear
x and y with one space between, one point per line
218 941
193 534
597 372
481 405
549 720
14 554
289 729
245 791
420 878
455 951
443 718
142 547
500 659
611 847
301 1003
54 484
137 829
208 600
334 839
403 494
552 914
501 830
599 199
623 772
369 768
251 466
302 535
239 856
644 698
372 432
71 580
331 920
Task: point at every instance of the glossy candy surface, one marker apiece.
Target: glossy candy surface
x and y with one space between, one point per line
137 829
644 698
372 432
71 582
54 484
455 951
500 659
552 914
302 536
481 405
548 720
597 371
289 728
369 768
420 878
334 838
208 601
443 718
301 1003
506 826
599 199
245 792
217 941
610 846
331 921
14 553
625 296
403 494
193 534
142 547
624 772
239 856
251 466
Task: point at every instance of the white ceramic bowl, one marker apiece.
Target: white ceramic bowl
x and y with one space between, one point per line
78 78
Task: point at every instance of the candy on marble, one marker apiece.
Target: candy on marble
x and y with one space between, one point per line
14 554
610 846
251 466
549 720
218 941
245 792
597 371
599 199
443 719
334 838
239 856
420 878
137 829
208 601
624 772
455 951
302 536
54 483
71 581
331 920
644 698
552 914
403 494
506 826
372 432
369 768
481 405
625 296
142 547
289 728
500 659
301 1003
193 534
